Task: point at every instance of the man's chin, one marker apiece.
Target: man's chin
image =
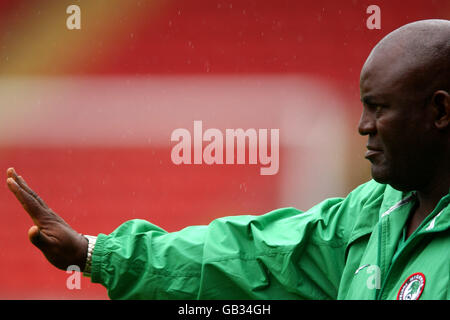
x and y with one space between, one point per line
380 175
384 177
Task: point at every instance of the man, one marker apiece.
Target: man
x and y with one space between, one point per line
388 239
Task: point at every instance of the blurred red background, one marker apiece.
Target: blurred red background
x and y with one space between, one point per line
86 115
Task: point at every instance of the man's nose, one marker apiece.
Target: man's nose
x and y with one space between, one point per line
366 124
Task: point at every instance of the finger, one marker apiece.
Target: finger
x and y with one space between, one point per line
21 182
24 185
10 172
30 204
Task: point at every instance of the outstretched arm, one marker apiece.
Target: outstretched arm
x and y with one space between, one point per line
61 245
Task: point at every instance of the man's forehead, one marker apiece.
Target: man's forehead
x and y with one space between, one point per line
380 78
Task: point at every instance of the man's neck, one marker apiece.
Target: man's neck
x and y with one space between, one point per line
428 198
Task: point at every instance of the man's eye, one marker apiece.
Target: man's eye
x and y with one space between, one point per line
378 109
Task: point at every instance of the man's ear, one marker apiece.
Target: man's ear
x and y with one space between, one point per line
441 105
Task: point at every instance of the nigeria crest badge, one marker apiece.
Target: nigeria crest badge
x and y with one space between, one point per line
412 288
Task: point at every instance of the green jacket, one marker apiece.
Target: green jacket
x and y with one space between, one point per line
348 248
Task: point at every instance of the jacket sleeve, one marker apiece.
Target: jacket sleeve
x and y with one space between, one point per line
284 254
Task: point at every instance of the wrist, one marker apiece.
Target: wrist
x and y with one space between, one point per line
91 240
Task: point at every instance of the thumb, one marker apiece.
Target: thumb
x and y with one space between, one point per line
35 236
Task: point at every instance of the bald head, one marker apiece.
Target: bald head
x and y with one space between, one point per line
416 54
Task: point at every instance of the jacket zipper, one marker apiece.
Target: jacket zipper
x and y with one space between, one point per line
379 291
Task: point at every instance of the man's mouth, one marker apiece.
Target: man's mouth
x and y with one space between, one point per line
372 152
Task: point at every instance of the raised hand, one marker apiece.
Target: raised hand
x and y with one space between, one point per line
61 245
